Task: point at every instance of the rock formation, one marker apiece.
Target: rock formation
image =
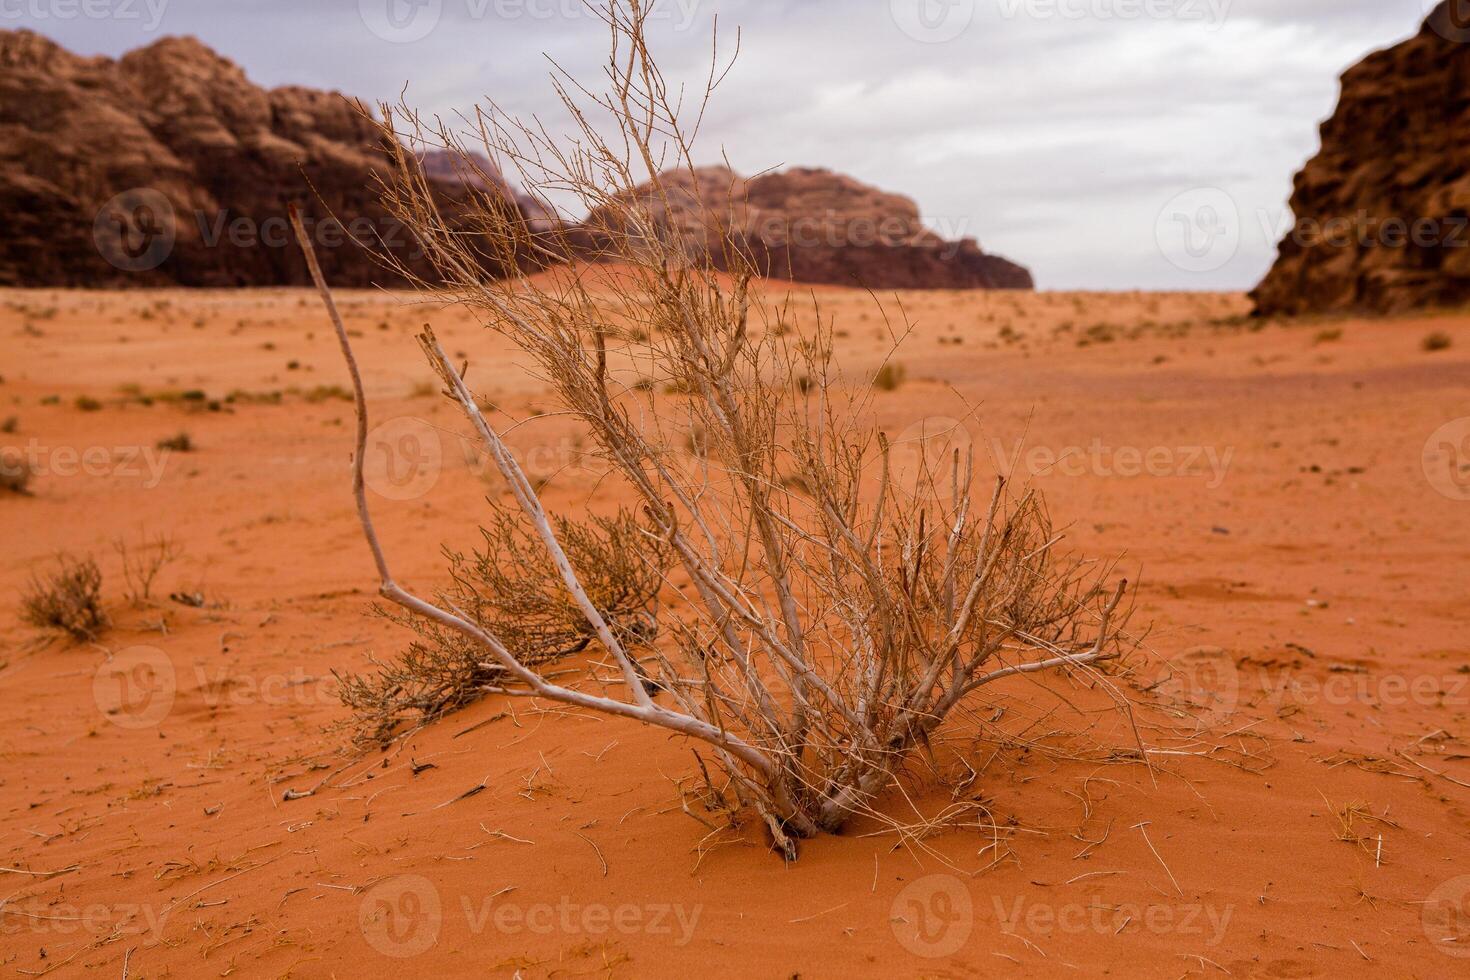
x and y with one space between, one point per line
812 225
1383 211
167 166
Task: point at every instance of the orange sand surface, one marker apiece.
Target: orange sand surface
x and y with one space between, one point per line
1303 810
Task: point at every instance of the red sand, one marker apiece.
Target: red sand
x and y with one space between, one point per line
1302 570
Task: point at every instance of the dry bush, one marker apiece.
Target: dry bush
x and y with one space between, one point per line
143 563
838 607
506 588
16 473
68 600
1436 341
181 443
890 377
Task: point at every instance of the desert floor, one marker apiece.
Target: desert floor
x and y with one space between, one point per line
1292 498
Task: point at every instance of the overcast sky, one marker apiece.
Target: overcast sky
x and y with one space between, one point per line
1106 144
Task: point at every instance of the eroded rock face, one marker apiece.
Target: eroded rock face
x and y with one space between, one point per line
167 166
1383 211
812 225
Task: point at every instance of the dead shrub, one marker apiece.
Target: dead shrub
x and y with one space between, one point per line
823 636
16 473
1436 341
890 377
142 563
181 443
68 600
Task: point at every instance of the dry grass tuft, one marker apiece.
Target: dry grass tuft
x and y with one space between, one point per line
69 600
890 377
504 586
181 443
1437 341
16 473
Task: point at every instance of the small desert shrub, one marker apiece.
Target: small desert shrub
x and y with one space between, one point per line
1328 336
68 600
142 563
505 586
1436 341
16 473
181 443
85 403
10 424
890 376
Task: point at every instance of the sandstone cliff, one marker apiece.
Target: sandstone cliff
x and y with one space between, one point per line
1382 213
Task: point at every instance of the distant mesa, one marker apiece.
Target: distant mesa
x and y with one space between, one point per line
169 167
1382 213
809 225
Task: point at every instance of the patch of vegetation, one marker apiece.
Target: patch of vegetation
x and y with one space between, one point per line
1437 341
16 474
322 393
508 589
142 563
68 600
181 443
890 376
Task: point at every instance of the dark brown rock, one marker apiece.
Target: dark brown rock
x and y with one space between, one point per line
811 225
1382 213
168 166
